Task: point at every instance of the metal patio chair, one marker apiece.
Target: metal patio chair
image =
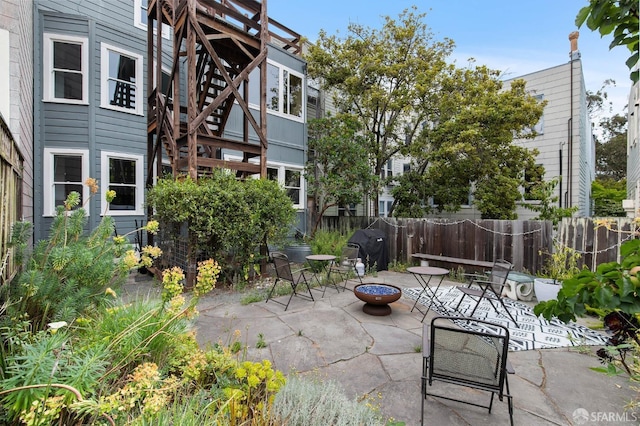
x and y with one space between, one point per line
345 266
488 287
475 359
294 278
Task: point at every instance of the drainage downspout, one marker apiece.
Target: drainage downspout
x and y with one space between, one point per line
561 177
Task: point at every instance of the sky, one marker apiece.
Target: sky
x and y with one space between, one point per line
515 36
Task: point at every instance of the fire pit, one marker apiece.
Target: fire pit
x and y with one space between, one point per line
377 297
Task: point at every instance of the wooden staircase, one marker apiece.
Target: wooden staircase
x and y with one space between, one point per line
215 45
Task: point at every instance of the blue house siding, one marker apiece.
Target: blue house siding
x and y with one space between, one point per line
287 136
89 126
97 130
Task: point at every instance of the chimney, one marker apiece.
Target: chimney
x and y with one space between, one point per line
573 38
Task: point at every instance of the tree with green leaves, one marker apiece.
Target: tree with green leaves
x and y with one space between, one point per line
466 145
547 209
619 17
611 152
382 76
338 172
607 195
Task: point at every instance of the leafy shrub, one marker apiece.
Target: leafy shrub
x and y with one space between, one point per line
306 402
328 242
70 272
610 288
227 219
613 293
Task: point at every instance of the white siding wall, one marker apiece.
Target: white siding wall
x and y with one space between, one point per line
555 84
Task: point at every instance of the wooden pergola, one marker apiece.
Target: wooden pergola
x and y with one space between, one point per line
216 45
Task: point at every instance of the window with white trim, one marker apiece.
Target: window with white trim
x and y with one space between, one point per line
291 179
64 171
65 69
121 80
285 91
123 174
384 207
141 18
539 126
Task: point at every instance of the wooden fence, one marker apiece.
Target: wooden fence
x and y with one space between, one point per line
597 240
10 198
525 243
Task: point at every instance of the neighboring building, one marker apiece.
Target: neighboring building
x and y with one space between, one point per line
16 123
16 81
90 112
565 143
632 203
565 139
85 126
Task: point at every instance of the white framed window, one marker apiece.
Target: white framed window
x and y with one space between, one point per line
539 126
65 69
387 170
65 170
141 20
292 180
290 177
285 91
384 207
124 174
121 80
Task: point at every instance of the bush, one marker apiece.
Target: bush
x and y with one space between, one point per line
226 219
305 402
328 242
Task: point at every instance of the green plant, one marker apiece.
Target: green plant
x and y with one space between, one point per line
561 264
308 402
227 219
544 192
35 371
458 274
328 242
261 343
253 297
397 266
71 272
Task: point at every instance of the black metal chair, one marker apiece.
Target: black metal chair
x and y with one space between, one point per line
488 287
284 273
345 266
475 359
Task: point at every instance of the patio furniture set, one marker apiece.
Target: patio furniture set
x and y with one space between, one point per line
450 353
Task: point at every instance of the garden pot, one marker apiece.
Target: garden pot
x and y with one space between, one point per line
297 253
546 289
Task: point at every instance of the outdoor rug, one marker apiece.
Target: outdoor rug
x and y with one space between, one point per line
533 332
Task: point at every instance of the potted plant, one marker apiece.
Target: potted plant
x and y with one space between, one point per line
561 264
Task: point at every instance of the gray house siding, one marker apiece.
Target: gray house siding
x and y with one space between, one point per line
287 137
16 22
89 126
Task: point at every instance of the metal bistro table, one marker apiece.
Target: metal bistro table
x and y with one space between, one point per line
324 260
424 274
